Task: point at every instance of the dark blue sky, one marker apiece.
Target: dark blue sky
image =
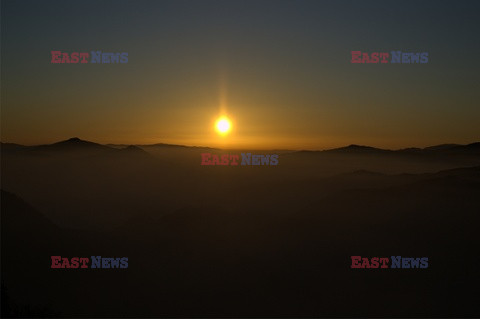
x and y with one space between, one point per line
280 69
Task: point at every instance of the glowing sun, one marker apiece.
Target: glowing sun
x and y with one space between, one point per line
223 126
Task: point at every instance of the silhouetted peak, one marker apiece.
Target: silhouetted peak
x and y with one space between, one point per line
357 148
73 144
74 141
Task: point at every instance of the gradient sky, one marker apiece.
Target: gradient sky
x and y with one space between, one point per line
280 69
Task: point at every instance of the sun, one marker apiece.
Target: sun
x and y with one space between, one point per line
223 125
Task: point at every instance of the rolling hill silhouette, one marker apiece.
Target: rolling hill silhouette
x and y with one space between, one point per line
73 144
239 241
77 143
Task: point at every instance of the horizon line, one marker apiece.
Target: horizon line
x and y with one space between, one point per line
257 149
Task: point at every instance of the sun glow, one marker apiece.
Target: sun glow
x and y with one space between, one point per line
223 125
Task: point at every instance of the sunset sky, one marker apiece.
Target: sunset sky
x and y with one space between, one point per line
280 70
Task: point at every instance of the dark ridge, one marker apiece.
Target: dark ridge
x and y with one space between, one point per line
133 149
74 143
178 146
476 145
474 170
353 148
11 144
410 150
12 147
469 149
457 149
167 145
440 147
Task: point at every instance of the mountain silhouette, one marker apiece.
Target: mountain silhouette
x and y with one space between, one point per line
77 143
440 147
204 236
73 143
359 149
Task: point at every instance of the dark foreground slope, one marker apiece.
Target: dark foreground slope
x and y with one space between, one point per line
218 260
